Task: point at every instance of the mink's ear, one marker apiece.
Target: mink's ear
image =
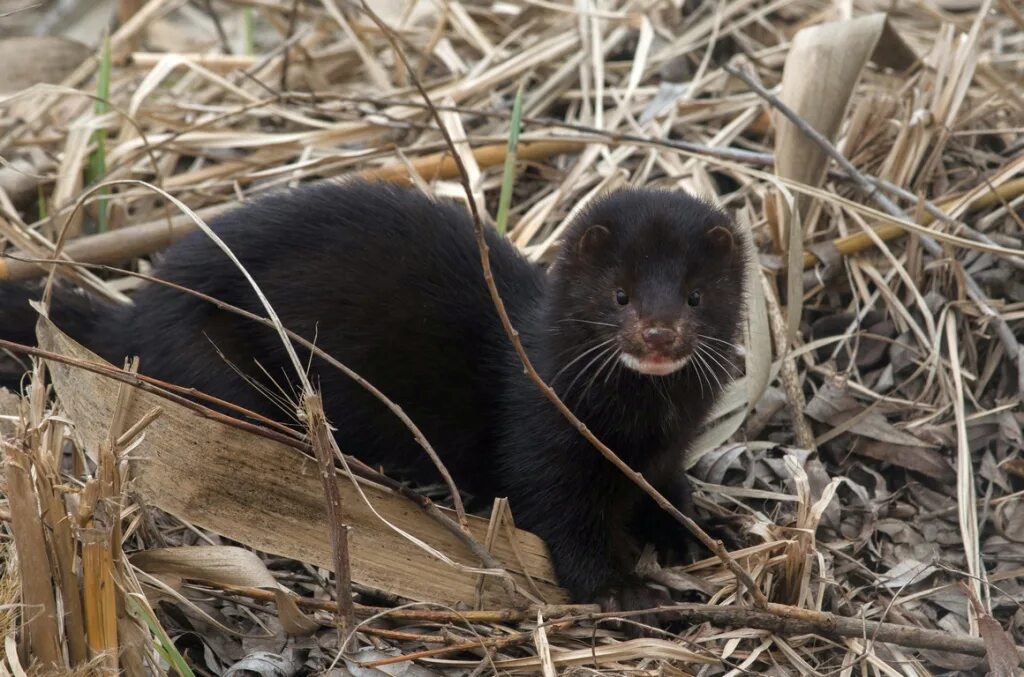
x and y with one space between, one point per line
594 239
721 240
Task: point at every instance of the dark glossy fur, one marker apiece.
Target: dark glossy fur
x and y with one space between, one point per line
389 282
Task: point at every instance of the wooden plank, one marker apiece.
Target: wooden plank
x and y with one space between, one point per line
268 496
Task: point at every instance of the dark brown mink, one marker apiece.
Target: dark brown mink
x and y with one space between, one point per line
635 326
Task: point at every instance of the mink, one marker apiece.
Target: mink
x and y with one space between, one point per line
635 326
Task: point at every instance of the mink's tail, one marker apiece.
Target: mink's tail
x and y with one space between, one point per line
75 312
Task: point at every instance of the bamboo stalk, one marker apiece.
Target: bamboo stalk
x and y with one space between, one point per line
55 517
98 593
40 625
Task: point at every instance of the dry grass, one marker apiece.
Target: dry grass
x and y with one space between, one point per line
872 455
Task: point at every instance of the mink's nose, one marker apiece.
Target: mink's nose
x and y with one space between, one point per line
659 338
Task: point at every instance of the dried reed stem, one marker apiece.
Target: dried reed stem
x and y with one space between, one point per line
320 438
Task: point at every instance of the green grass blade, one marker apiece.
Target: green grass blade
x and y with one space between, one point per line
164 646
248 26
508 177
97 167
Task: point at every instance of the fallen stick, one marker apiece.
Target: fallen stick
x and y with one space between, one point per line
786 621
789 621
482 643
319 435
222 63
550 611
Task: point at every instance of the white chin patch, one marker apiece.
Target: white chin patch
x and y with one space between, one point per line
652 368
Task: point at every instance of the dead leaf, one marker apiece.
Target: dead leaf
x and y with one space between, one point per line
907 572
919 459
226 565
1000 650
266 664
822 67
833 406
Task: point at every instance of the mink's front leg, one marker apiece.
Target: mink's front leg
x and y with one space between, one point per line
593 554
655 525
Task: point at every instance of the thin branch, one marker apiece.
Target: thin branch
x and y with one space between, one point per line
225 44
780 619
504 616
286 56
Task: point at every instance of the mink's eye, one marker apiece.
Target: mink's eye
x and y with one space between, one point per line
694 298
621 297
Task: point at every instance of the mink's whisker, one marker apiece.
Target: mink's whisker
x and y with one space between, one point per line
588 365
698 371
718 353
718 340
616 366
581 356
701 351
599 324
611 358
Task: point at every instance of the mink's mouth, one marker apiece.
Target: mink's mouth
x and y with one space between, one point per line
654 364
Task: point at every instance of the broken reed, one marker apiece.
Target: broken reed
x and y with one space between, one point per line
68 546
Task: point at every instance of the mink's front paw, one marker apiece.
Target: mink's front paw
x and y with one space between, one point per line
633 595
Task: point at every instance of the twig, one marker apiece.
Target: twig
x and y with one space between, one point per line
786 621
403 636
4 15
743 578
858 242
791 621
164 390
551 611
1014 350
286 55
225 44
482 643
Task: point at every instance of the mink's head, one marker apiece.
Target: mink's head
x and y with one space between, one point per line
653 281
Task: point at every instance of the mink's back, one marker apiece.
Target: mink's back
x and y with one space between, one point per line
382 278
